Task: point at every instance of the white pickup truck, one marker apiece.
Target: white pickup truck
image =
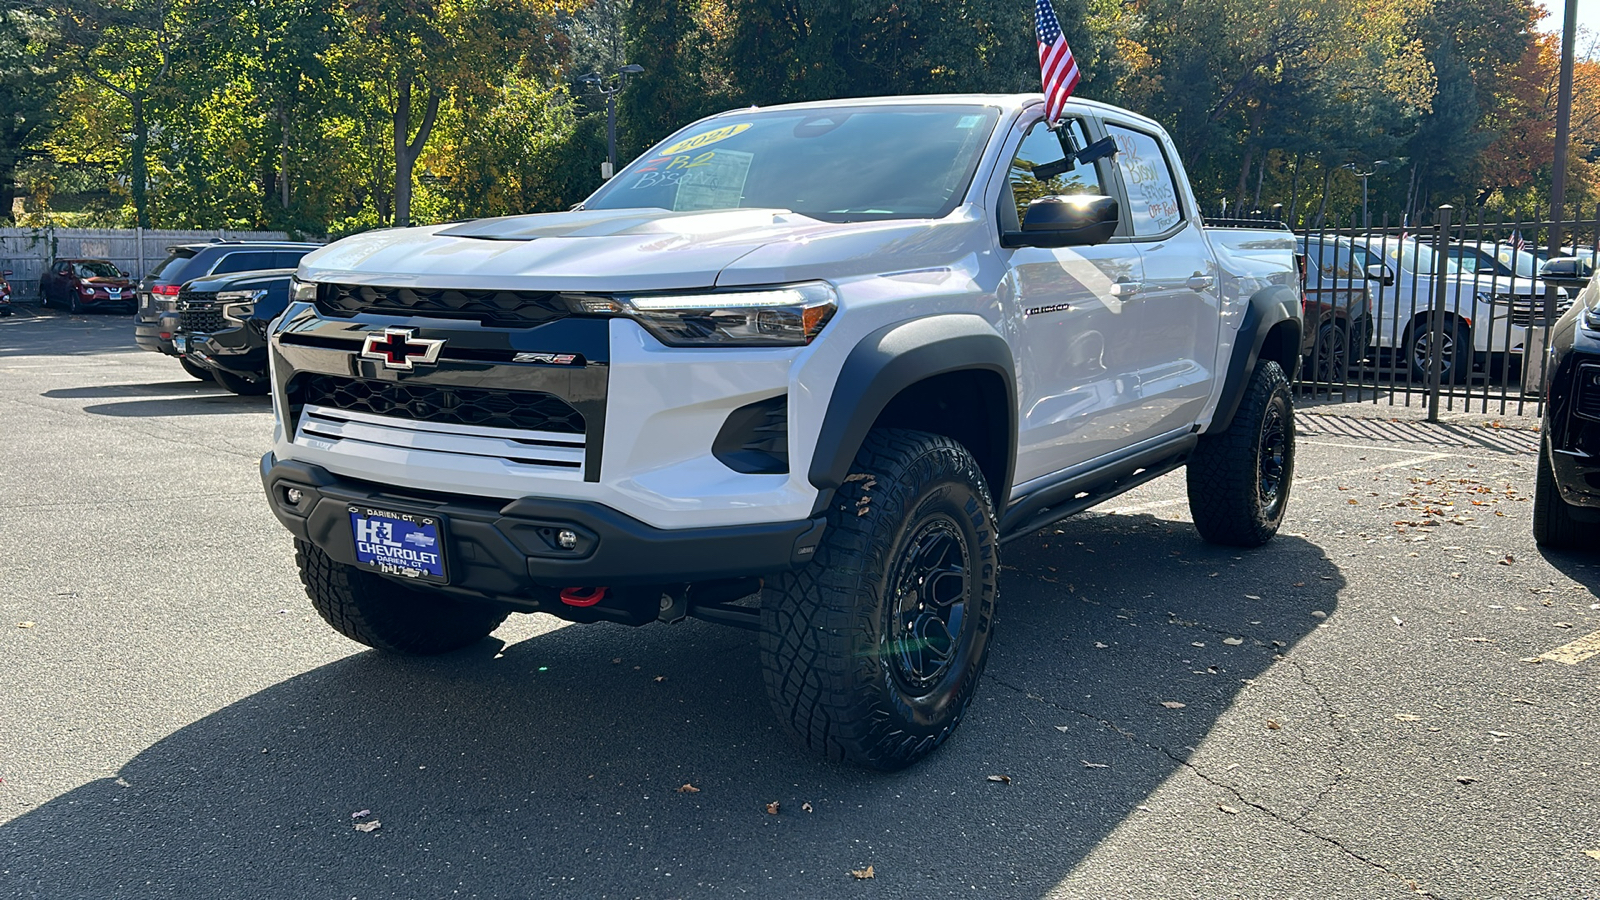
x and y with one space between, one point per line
801 369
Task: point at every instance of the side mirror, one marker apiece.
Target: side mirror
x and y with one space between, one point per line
1079 220
1380 273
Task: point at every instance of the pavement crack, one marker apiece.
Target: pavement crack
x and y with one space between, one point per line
1181 760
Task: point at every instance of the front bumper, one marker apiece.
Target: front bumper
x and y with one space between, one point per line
242 351
507 551
1572 418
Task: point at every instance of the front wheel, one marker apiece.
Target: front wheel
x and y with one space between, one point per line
1554 525
872 652
194 368
388 615
1455 352
1239 479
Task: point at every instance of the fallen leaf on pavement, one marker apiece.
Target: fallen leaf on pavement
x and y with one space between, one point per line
26 624
660 678
1061 728
1251 597
1099 646
1090 765
1465 779
361 814
863 874
1397 620
1592 854
1407 717
1233 642
688 789
1227 809
805 807
374 825
1508 560
772 808
1173 704
1563 624
1273 724
1003 779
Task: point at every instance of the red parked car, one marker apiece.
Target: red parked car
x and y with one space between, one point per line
84 284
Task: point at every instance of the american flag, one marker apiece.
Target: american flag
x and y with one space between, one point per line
1517 243
1058 70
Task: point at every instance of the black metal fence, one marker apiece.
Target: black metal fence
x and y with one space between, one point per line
1451 315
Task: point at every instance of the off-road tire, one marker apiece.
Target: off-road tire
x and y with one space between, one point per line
240 385
839 672
1554 526
1229 472
194 369
387 615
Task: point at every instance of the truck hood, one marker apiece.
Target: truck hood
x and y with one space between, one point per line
637 250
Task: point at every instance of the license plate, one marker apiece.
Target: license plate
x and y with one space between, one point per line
180 342
397 543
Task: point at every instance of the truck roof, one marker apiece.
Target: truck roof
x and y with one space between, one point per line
1010 103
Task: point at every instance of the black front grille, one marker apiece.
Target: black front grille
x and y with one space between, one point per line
522 410
198 312
505 308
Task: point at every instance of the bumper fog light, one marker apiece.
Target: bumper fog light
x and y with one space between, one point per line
293 495
567 539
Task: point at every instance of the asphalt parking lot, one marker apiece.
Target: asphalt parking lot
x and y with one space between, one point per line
1393 699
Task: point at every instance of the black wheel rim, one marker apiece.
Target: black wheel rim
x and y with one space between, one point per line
1274 458
1331 352
928 616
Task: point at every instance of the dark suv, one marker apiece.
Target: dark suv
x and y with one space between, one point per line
158 291
222 325
1566 496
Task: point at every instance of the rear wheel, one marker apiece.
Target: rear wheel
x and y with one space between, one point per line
872 652
241 385
1554 525
1329 358
194 368
1239 479
388 615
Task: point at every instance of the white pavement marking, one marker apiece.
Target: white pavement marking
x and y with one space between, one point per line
1575 652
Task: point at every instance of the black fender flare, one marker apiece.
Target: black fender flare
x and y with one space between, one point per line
1266 309
893 358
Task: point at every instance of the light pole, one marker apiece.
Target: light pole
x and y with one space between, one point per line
1366 220
611 87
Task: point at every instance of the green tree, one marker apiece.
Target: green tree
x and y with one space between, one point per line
28 83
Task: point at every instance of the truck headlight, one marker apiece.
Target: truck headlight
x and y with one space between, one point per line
238 306
302 291
786 316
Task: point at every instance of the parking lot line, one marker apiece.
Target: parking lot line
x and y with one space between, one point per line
1575 652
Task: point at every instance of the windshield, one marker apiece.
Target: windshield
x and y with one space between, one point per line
1520 261
838 165
97 269
1414 257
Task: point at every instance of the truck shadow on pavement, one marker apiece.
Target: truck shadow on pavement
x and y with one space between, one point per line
557 766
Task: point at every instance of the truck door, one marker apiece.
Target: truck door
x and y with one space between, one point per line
1172 324
1065 311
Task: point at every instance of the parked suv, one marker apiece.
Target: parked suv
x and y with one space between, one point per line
222 325
158 291
801 369
84 284
1566 496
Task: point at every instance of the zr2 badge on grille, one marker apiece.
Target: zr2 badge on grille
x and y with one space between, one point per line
398 348
396 543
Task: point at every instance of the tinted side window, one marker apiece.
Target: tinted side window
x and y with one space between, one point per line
243 262
1153 205
1042 149
171 267
288 259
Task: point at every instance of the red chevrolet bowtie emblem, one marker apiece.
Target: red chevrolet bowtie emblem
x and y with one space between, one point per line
399 350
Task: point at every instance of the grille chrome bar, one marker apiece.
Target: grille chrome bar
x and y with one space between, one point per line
522 449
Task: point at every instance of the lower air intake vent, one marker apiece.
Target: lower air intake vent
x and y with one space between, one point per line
522 410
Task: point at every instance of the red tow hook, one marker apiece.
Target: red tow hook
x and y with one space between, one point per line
577 596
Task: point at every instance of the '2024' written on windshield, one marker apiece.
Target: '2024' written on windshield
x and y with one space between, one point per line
1150 189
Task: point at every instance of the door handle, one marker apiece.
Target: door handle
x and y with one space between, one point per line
1126 288
1198 282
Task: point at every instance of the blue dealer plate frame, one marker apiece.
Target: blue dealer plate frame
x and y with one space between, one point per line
406 545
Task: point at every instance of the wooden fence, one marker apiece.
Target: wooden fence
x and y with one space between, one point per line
28 252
